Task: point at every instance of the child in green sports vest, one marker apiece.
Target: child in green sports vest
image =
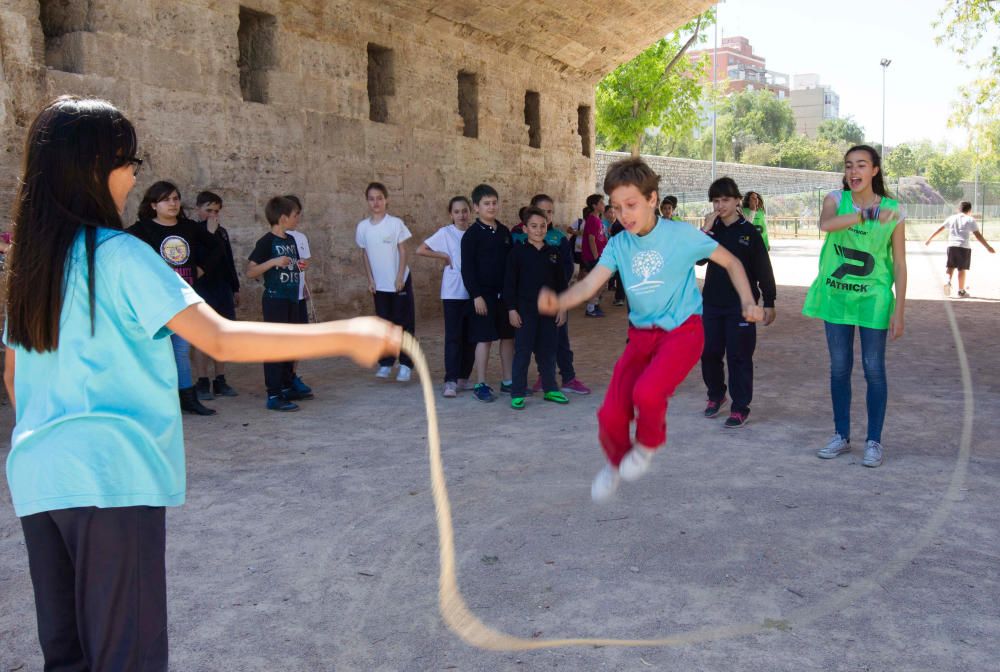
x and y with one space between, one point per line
753 210
863 258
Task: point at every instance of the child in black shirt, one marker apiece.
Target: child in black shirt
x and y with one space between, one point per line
530 267
276 257
726 332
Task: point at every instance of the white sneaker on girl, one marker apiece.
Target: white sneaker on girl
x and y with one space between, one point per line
636 462
605 483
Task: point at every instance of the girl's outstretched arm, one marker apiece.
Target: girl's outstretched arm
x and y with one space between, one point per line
363 339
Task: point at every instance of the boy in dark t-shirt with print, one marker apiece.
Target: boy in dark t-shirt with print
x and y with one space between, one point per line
276 257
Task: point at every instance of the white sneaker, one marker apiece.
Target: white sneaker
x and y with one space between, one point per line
605 483
450 390
404 374
383 372
947 289
636 462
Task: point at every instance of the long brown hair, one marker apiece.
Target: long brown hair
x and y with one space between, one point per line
878 184
72 146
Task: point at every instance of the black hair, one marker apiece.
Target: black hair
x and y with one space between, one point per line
71 149
294 199
965 206
672 200
458 199
634 172
878 184
520 213
378 186
278 207
540 198
760 200
530 211
206 197
156 193
593 200
724 187
482 191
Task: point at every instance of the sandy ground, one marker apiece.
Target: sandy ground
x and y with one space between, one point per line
308 541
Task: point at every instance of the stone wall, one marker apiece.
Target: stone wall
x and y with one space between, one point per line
692 178
258 98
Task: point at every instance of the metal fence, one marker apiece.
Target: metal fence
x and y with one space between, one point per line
795 214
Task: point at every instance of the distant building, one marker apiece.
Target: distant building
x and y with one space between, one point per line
742 70
813 103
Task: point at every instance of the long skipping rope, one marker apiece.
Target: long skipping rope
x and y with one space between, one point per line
471 630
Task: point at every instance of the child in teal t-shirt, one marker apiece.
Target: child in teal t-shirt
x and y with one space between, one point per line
95 455
655 258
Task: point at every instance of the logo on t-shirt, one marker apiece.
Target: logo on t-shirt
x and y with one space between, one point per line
645 265
175 250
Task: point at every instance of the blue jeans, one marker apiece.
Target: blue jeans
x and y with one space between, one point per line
182 355
840 341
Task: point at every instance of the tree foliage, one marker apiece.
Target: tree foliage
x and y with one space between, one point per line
658 89
754 117
944 172
901 162
842 131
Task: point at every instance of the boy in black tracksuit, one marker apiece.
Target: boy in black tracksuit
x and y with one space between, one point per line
530 267
726 332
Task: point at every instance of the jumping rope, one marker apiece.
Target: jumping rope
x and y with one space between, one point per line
474 632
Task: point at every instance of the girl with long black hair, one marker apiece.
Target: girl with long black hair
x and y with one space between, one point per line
96 455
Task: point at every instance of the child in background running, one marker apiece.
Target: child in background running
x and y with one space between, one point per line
656 258
727 334
753 210
446 245
961 227
862 259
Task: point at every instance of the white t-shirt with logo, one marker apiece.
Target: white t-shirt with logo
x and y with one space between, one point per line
448 239
960 229
381 243
302 243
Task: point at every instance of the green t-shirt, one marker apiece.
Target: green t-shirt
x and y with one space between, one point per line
854 285
760 223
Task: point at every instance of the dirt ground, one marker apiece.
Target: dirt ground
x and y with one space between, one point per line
308 541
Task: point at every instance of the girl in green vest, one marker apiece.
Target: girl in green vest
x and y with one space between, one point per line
753 210
863 257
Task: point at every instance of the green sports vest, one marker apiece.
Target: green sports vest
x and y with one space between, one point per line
854 285
760 223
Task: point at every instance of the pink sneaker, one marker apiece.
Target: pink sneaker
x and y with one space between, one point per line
576 387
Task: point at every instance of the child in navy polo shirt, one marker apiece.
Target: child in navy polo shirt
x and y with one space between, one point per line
276 257
531 266
484 260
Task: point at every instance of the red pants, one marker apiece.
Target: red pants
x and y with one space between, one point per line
654 363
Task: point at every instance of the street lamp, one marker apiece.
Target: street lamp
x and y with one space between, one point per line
885 66
715 89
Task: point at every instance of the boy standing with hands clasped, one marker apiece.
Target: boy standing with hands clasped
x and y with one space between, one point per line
276 257
380 237
530 267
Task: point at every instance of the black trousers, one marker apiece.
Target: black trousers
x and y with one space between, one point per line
459 353
278 375
564 354
728 335
538 334
397 307
100 588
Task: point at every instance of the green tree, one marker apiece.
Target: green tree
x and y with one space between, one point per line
966 24
660 88
754 117
842 131
901 162
944 172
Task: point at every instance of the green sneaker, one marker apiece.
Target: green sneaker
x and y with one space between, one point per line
517 403
557 397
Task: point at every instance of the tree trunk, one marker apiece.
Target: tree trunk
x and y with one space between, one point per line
637 146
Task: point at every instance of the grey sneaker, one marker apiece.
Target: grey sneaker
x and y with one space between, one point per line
838 445
873 454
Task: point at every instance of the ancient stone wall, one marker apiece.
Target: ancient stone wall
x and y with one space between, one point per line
255 98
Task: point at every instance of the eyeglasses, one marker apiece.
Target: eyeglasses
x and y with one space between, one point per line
136 164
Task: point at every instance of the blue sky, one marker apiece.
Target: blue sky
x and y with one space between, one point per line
844 41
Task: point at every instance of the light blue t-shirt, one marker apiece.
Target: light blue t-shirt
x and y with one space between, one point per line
658 272
98 420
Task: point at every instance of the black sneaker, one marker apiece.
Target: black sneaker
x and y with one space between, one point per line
506 388
204 389
279 403
736 419
221 388
291 394
712 408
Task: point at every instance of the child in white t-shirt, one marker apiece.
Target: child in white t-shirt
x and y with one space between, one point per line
961 227
381 237
302 243
446 245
